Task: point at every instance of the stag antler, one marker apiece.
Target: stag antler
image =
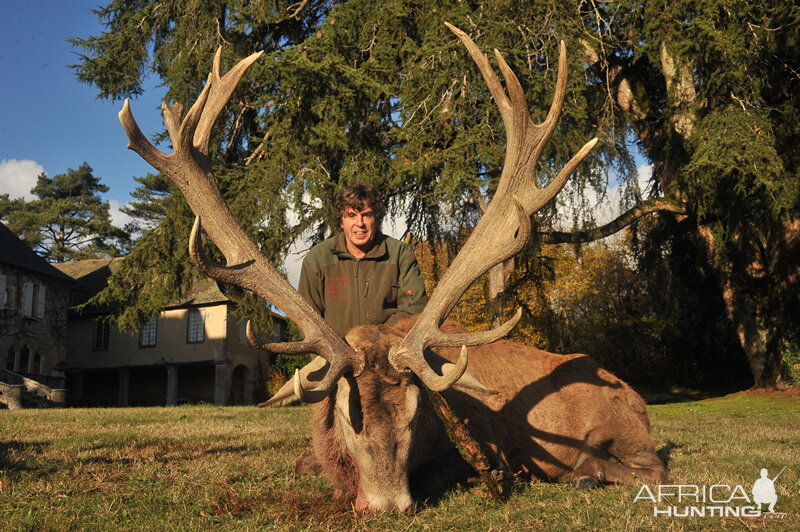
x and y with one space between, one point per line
505 226
190 169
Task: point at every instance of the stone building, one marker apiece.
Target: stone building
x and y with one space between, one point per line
33 319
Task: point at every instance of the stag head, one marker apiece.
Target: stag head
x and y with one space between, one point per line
373 381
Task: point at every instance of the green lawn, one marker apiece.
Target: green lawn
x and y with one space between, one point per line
204 467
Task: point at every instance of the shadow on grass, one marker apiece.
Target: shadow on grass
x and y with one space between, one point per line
288 505
12 454
680 395
665 453
165 452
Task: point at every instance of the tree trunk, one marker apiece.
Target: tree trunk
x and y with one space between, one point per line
760 341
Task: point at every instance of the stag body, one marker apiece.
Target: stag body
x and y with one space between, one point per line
550 416
553 417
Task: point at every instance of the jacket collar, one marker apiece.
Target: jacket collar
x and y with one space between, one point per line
377 252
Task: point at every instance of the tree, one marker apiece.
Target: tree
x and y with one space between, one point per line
68 220
150 203
710 90
706 92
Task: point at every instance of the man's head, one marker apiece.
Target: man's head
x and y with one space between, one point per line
359 210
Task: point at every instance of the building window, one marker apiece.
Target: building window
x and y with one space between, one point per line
195 331
243 333
8 293
279 328
24 357
147 336
101 329
33 300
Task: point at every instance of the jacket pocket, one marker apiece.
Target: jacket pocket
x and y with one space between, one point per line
391 300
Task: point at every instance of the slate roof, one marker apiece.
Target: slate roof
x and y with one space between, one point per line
15 252
92 276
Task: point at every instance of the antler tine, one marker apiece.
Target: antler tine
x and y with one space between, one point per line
172 118
505 222
222 88
189 168
485 68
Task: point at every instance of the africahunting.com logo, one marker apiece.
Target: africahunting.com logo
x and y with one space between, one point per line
718 500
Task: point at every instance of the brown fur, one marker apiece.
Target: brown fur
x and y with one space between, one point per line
555 417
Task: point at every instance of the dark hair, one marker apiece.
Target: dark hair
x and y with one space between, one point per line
359 196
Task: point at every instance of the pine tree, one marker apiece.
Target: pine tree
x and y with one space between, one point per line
68 220
150 202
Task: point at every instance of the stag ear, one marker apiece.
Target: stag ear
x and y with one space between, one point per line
469 384
466 384
296 388
284 397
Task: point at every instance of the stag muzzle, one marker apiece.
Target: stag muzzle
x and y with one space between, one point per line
398 500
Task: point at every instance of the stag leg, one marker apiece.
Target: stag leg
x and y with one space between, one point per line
597 470
608 461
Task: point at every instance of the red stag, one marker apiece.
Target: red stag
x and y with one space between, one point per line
548 416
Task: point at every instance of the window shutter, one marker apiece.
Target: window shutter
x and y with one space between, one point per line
11 290
3 294
27 299
40 302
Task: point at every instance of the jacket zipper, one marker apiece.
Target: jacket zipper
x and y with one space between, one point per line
358 299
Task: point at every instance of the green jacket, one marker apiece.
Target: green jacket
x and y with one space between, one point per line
384 286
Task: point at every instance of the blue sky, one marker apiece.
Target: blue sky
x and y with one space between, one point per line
48 120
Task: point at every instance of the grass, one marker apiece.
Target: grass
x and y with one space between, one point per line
231 468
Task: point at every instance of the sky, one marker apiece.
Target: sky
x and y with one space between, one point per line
50 122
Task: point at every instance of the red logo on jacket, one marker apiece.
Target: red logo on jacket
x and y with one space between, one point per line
335 287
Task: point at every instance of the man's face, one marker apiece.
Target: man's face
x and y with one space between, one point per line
359 230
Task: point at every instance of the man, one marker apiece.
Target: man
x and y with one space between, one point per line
357 277
361 276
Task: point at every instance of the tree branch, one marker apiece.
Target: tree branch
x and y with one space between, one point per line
647 207
298 8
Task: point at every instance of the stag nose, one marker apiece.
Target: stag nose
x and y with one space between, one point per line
380 504
362 503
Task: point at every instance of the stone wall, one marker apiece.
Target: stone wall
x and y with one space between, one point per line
33 322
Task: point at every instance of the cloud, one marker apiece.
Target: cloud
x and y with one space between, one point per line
17 178
293 263
645 175
118 218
